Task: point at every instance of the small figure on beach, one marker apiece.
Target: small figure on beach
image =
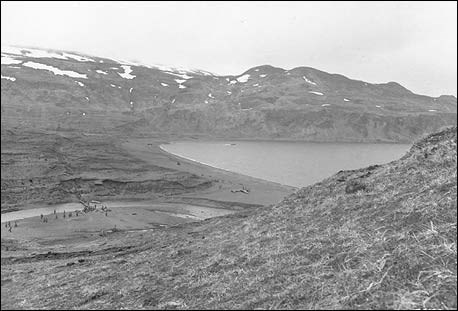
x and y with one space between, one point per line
54 212
64 214
41 216
15 224
69 214
6 225
9 229
56 216
106 213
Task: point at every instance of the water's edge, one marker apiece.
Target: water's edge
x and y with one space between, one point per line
162 147
349 157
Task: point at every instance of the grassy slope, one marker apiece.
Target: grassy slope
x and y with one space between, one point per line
389 245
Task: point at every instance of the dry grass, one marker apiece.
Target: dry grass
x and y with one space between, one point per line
389 246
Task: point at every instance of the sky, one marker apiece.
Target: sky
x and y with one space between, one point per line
412 43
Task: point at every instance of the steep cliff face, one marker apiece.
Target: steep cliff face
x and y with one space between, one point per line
66 91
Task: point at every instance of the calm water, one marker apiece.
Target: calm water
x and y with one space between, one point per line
290 163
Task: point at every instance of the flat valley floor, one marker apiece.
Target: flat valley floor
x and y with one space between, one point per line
143 187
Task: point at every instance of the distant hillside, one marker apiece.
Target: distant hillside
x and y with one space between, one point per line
382 237
68 91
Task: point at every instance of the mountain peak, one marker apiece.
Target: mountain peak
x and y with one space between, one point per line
265 101
265 69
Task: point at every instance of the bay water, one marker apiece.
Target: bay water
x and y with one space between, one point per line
296 164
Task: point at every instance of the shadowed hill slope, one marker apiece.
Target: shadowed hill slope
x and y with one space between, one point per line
376 238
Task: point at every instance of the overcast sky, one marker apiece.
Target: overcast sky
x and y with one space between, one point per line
414 44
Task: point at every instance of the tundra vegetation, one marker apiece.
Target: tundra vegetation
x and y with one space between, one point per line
388 245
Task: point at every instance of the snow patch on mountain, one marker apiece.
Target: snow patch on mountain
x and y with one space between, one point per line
316 93
8 78
432 110
101 72
78 58
263 76
346 100
55 70
308 81
244 78
28 52
180 75
164 84
325 105
180 70
7 60
177 71
127 71
39 53
210 95
80 83
179 81
20 52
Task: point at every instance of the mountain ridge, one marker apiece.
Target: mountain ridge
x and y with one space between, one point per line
137 63
57 89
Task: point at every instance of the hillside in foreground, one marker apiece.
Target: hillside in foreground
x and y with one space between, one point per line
66 91
376 238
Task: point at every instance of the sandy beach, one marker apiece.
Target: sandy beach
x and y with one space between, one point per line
130 212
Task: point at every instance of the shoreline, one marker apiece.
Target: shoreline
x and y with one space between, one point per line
263 192
216 139
196 162
139 211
